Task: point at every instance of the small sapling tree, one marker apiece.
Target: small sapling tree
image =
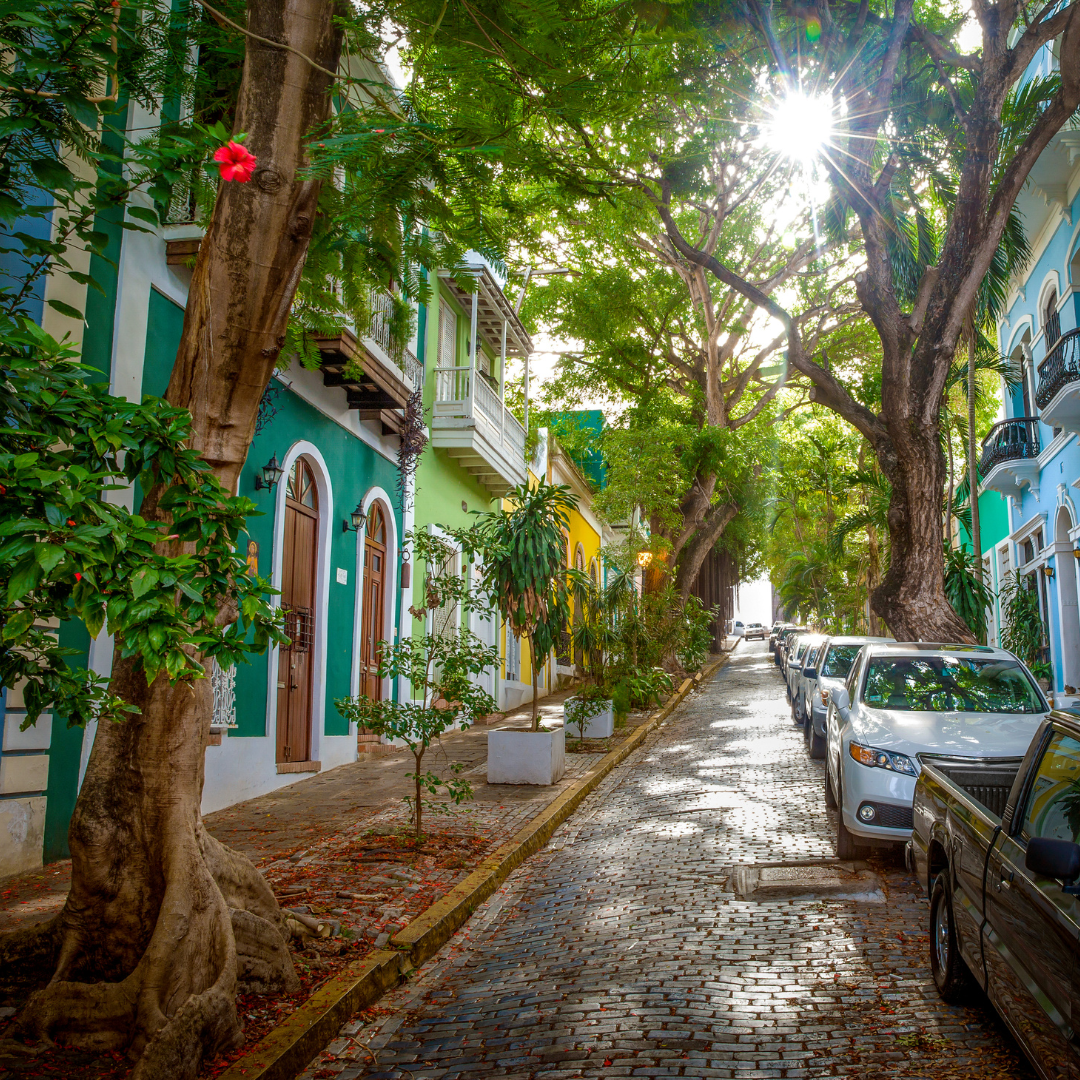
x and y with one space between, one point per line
441 666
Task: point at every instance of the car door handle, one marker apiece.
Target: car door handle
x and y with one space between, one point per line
1004 880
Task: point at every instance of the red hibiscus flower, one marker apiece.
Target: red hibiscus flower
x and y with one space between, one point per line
235 162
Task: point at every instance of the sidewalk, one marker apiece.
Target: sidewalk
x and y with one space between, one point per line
274 826
337 852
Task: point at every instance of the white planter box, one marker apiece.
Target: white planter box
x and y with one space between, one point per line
526 757
600 725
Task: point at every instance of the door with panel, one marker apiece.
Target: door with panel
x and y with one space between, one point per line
296 670
373 615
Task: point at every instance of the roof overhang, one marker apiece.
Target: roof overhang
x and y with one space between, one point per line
493 309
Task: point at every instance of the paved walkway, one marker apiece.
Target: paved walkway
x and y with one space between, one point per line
620 949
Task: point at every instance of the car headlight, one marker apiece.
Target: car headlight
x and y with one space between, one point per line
824 697
882 759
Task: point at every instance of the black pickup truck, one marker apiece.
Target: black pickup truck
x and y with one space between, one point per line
995 844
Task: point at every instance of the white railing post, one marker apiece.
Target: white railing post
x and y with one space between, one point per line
472 352
502 389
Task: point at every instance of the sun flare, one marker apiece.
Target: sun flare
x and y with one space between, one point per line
800 125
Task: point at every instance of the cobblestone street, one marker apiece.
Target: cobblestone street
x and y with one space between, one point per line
633 946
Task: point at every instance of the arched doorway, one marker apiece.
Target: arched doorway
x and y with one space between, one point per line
296 668
374 594
1067 599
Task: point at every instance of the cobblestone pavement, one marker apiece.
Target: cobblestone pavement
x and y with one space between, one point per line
620 951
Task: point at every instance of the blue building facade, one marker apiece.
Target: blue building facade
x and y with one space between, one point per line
1031 458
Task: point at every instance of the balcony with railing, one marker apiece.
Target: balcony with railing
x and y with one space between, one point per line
1058 395
470 422
377 378
1010 456
469 419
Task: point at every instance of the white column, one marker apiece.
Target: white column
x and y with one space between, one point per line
472 355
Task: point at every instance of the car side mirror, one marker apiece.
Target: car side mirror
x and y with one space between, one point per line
1051 858
809 673
841 700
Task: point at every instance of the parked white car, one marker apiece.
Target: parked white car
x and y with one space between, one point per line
737 629
906 700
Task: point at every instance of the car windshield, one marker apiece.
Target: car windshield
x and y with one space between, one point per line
839 659
950 684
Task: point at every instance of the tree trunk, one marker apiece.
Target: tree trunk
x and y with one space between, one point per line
911 598
163 924
973 468
952 488
695 553
873 576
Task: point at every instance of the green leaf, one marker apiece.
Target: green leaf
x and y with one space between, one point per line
142 213
65 309
143 580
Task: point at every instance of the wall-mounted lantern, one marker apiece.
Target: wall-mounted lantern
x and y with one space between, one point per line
1048 571
272 472
357 520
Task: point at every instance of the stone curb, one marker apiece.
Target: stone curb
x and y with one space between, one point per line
290 1046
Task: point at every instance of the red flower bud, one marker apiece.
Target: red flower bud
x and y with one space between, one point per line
78 576
235 162
71 522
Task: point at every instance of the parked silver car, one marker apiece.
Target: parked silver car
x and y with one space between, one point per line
796 656
827 671
908 700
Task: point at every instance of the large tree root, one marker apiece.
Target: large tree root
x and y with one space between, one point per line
163 924
219 928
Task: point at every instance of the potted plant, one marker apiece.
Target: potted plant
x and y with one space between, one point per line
442 670
521 554
591 711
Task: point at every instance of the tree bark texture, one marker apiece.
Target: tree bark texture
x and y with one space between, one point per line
973 467
163 923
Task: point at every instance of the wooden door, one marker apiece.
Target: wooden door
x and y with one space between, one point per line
374 614
298 597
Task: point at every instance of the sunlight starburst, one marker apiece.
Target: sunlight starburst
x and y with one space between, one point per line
799 126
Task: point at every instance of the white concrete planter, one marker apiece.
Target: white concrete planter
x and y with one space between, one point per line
526 757
600 725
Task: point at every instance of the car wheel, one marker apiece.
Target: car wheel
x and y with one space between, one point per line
815 743
951 976
830 795
846 845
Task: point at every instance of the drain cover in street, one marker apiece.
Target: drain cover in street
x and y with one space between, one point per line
806 883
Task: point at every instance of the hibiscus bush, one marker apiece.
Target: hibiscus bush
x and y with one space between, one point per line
71 550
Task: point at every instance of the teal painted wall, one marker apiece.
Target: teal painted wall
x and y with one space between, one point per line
354 467
993 522
164 325
65 753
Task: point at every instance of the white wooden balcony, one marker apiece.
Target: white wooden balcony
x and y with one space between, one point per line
472 425
469 419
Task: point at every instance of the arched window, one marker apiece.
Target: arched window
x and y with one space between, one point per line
376 526
579 558
1051 320
301 486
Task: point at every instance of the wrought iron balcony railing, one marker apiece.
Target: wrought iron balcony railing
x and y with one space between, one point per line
1061 367
1010 440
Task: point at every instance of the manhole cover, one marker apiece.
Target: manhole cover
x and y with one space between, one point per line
835 882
